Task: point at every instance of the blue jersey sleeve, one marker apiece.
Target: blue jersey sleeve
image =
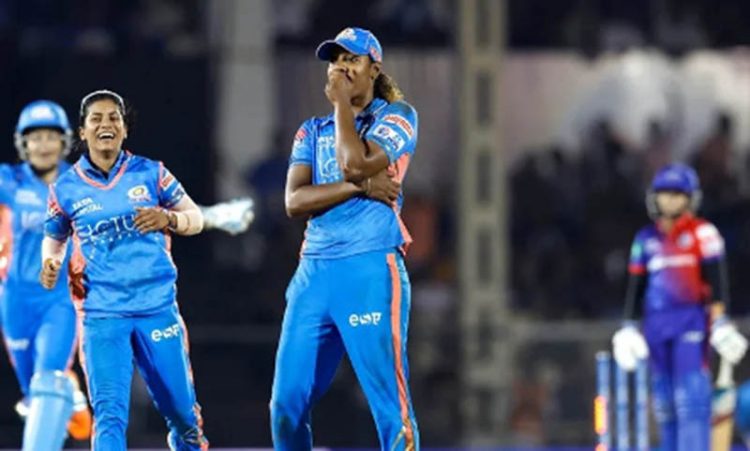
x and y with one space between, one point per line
302 148
7 184
57 224
395 130
637 263
170 189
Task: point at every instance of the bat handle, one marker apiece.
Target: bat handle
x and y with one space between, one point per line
725 377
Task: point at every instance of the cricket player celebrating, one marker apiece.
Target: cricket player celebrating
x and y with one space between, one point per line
119 211
39 326
678 283
351 290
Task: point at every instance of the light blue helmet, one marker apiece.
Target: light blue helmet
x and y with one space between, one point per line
42 114
677 177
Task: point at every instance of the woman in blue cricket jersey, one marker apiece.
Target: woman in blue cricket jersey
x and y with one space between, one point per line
119 210
39 326
351 290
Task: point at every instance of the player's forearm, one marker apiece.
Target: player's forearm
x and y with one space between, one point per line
53 249
310 199
715 273
351 151
634 296
186 218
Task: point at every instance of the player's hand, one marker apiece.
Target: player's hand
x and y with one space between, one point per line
339 87
383 187
727 340
50 273
151 219
629 346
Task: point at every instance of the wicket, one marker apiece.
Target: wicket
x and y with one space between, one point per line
602 406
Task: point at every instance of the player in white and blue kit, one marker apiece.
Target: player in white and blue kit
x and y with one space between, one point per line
39 326
119 211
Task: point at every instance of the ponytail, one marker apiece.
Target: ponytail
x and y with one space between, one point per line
386 88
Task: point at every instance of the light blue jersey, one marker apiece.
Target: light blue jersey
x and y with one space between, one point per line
115 270
26 196
359 224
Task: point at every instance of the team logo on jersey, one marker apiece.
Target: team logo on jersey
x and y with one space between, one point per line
139 194
685 240
390 136
28 197
400 122
348 34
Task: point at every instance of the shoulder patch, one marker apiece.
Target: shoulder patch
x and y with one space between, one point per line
400 122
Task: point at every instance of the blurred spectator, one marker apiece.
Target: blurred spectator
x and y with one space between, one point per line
712 161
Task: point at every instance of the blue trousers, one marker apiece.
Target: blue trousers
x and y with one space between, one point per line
39 329
680 379
358 305
158 346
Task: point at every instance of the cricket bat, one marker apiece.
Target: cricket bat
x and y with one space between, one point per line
722 408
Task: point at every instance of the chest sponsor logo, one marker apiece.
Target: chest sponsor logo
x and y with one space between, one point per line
659 262
85 206
28 197
107 230
139 193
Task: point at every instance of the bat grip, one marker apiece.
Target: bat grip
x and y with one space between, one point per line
725 377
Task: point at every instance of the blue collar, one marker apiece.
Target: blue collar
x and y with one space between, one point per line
373 107
93 172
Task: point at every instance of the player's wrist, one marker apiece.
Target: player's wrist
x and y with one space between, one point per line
172 222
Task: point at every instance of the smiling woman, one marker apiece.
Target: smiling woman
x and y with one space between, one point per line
124 208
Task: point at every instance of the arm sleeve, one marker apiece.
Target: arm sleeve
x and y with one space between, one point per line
637 280
57 225
634 296
716 274
170 189
302 147
395 130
